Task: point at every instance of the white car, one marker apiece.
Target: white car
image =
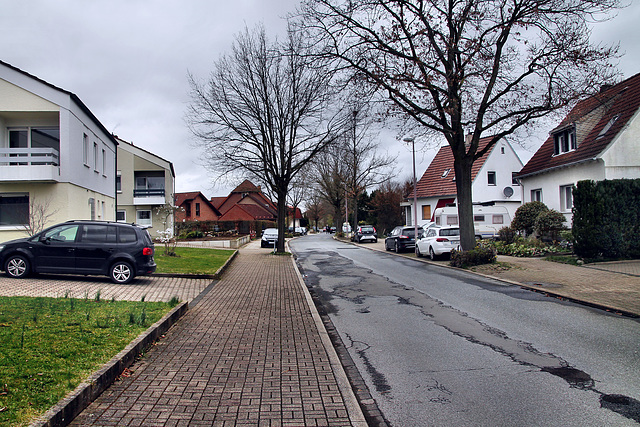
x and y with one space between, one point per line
438 241
269 238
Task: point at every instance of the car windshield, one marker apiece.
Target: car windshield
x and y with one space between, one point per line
450 232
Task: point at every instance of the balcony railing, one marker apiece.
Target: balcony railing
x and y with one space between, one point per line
155 192
29 156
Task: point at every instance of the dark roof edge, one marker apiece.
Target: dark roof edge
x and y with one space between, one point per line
73 96
149 152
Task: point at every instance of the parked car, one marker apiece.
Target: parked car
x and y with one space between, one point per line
438 241
269 238
365 233
120 251
402 238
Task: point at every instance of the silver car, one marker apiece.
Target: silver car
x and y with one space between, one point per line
269 238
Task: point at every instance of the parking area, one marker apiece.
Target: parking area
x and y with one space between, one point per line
152 288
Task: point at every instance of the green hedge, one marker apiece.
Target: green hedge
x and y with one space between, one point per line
606 219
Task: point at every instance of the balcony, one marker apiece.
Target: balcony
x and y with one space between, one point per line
145 196
29 164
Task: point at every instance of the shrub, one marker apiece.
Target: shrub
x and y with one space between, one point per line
195 234
476 256
549 223
525 218
507 235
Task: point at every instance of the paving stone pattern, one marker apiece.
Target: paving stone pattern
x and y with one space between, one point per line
152 288
248 354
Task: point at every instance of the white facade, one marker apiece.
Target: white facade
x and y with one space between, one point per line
53 152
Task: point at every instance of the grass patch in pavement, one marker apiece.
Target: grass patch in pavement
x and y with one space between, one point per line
50 345
192 260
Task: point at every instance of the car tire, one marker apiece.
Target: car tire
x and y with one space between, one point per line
432 254
17 267
397 249
418 253
386 247
262 245
375 240
121 273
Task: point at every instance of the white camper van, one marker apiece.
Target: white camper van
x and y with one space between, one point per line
487 220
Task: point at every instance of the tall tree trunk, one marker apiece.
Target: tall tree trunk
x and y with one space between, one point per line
465 202
282 219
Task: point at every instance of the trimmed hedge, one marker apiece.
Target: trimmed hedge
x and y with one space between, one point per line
476 256
606 219
525 218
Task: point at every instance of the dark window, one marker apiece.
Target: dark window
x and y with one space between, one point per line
121 216
98 234
119 184
514 180
450 232
197 209
478 218
491 178
14 209
564 141
127 235
187 210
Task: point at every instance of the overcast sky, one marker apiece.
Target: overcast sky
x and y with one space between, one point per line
127 60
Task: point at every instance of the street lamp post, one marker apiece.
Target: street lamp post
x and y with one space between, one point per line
415 194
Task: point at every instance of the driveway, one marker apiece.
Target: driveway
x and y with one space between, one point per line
152 288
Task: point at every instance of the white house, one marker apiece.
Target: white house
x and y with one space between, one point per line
144 182
54 154
599 139
492 177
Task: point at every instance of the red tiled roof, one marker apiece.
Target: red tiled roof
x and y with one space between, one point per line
218 201
434 184
622 99
182 197
246 187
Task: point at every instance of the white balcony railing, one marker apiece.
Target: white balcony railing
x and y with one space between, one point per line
29 156
29 164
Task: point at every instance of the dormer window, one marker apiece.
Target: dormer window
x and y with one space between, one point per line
446 172
564 141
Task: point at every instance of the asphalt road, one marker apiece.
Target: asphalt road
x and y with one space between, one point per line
440 347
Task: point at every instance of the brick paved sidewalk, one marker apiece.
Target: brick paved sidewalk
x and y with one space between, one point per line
248 354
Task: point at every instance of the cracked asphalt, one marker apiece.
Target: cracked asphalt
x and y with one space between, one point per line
443 347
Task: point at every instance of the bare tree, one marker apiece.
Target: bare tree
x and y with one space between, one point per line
486 67
366 167
315 209
40 212
263 112
329 177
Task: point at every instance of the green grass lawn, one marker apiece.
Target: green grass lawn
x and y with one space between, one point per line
191 260
50 345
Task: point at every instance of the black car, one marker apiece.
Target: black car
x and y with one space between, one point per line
365 233
402 238
120 251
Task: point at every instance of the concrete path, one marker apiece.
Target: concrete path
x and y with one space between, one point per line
252 352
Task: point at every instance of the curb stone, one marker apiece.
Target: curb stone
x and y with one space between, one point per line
68 408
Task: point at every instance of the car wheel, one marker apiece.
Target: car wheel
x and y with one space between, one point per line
262 245
121 272
432 254
418 253
397 249
386 247
375 240
17 266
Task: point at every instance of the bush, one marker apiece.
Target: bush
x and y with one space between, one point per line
476 256
549 223
507 235
525 218
522 247
195 234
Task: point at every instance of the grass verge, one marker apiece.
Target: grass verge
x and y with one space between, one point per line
191 260
563 259
50 345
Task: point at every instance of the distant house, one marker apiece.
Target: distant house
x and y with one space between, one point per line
493 181
599 139
247 202
195 207
54 153
293 216
144 182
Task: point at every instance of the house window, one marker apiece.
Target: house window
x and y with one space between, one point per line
143 217
197 209
446 172
491 178
121 216
566 198
45 139
149 183
564 141
14 209
426 212
95 157
536 195
187 210
501 150
514 179
85 149
119 183
104 162
92 207
497 219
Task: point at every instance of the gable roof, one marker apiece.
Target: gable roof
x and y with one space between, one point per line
246 187
622 100
73 97
189 196
434 183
